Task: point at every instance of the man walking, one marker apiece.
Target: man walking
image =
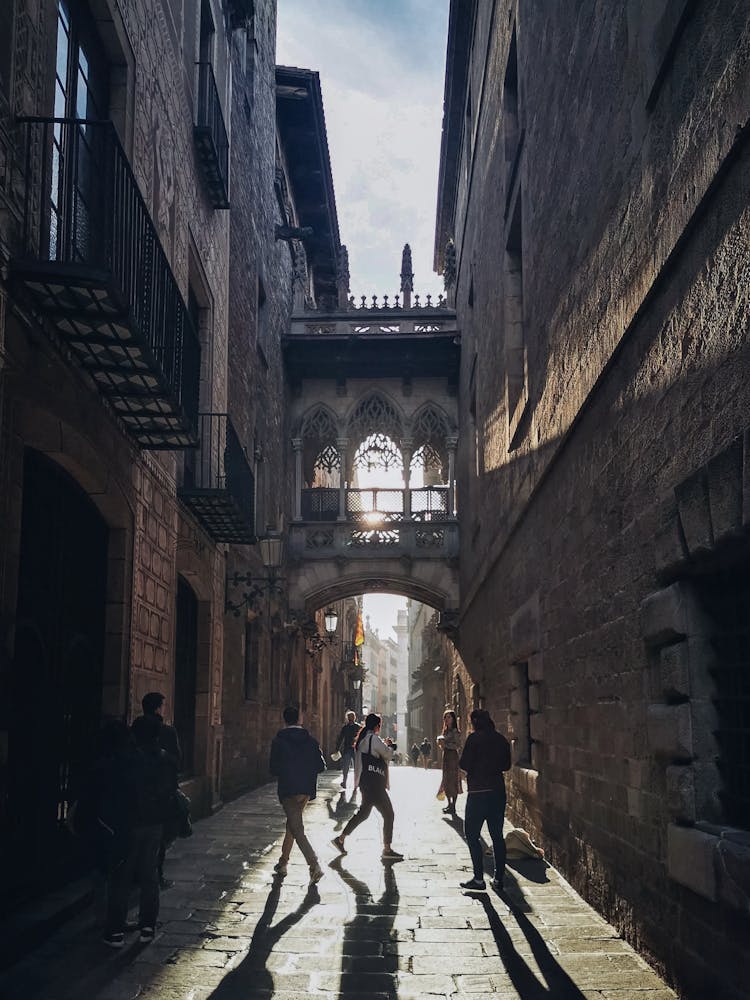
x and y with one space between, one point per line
153 708
345 745
425 748
296 761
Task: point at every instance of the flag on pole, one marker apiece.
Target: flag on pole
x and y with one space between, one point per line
359 632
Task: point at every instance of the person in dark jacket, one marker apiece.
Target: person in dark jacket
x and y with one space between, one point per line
149 789
485 756
296 761
345 745
153 707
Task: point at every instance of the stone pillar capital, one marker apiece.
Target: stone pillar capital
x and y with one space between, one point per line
297 443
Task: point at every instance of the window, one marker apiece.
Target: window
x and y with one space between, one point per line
513 305
81 91
252 660
511 130
520 707
515 346
726 598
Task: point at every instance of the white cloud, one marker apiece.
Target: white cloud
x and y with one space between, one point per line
381 64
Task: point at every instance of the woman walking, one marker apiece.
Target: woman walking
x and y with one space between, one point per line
371 775
485 757
450 743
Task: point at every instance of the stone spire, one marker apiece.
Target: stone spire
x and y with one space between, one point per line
342 277
407 276
449 272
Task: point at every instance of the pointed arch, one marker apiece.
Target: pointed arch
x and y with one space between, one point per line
374 413
430 427
319 432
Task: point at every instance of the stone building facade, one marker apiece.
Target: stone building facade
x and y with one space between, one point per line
151 210
592 226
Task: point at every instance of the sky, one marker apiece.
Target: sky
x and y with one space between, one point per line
382 67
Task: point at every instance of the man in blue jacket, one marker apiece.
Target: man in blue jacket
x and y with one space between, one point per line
296 761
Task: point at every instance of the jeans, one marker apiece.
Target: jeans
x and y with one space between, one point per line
373 798
489 808
293 806
347 761
141 865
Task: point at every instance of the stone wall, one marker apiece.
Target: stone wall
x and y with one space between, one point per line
632 177
260 277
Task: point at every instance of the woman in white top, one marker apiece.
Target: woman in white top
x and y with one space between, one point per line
371 775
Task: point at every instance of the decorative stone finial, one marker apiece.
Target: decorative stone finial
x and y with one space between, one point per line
407 274
449 267
342 277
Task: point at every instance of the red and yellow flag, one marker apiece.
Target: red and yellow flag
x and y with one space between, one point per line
359 632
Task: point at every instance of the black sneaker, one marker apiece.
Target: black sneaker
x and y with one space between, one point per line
165 883
147 934
116 939
477 884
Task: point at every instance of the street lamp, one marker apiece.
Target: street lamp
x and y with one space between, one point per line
315 641
272 555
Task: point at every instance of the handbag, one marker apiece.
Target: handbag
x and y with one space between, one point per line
178 823
374 775
335 756
441 794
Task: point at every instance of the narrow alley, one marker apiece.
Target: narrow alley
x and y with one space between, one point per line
230 930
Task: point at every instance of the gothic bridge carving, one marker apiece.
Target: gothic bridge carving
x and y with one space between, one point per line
375 427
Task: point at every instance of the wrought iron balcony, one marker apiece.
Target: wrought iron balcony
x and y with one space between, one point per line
92 262
211 139
375 507
218 483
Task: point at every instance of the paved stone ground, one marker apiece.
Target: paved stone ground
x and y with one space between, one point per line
230 931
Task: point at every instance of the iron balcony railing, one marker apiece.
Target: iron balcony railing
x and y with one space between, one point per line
376 506
218 482
211 139
91 258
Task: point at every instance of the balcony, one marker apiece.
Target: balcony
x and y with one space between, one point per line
211 139
91 261
374 507
218 483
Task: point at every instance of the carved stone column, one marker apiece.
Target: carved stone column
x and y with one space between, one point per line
407 449
342 445
407 276
297 444
451 443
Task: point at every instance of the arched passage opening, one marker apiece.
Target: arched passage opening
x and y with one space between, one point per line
56 684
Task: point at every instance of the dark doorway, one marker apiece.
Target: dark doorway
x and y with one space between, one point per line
185 672
56 685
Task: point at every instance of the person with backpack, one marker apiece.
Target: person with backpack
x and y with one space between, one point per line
371 775
485 756
148 789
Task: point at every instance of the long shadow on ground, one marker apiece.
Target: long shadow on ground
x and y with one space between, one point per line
252 977
365 968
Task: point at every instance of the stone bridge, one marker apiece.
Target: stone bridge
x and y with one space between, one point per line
374 432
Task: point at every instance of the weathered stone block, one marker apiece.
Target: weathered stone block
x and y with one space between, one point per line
671 614
674 668
535 698
691 860
536 727
724 473
535 666
733 867
669 549
681 793
635 803
524 630
695 514
669 730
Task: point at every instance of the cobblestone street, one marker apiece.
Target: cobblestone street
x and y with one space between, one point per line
230 931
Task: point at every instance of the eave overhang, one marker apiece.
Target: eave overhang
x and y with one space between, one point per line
302 131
